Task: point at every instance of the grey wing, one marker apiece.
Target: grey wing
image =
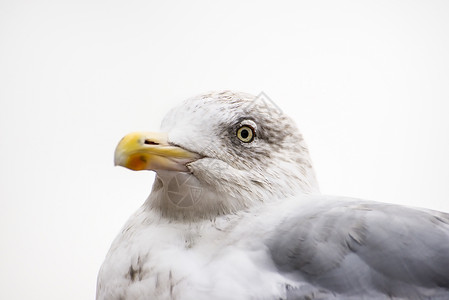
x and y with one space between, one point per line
364 250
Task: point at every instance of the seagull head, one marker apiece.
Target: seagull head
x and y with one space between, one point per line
219 153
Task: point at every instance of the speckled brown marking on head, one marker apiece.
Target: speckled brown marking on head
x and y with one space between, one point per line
271 134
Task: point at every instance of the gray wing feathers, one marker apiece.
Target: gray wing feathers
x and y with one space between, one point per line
366 248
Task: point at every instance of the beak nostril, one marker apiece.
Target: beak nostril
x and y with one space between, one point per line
150 142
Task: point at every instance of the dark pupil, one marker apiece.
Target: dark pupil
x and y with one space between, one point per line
244 133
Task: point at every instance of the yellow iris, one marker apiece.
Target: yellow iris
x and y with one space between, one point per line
245 134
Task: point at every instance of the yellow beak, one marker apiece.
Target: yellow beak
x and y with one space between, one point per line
151 151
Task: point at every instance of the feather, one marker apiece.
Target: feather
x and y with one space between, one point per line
240 217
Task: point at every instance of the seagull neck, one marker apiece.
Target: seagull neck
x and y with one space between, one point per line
181 197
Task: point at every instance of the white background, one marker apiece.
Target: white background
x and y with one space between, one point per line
367 82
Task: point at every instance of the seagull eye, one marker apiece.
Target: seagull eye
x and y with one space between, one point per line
245 134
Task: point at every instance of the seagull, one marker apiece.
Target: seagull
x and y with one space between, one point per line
235 212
